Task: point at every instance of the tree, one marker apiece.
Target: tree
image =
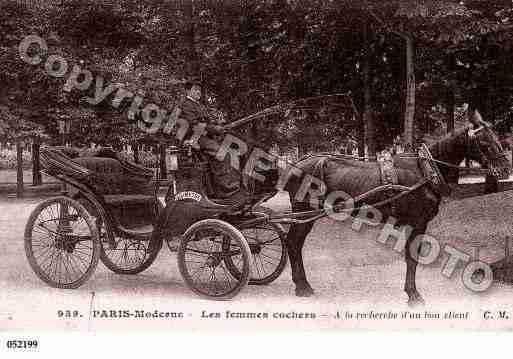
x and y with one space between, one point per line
418 56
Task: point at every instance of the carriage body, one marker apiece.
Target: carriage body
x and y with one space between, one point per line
110 211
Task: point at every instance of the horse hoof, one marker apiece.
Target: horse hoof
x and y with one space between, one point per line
416 301
304 292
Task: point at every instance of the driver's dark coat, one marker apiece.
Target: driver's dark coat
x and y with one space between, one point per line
226 180
193 111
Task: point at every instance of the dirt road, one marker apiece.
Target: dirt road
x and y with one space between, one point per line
350 272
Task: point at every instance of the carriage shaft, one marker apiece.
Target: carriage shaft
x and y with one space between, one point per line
313 215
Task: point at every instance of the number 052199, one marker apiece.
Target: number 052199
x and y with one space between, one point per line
22 344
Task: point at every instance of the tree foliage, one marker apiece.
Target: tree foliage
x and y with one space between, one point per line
250 55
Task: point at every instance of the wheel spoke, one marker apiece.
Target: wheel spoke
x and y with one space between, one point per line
55 244
270 257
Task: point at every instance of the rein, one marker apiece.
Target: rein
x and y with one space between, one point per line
310 216
450 165
446 164
494 171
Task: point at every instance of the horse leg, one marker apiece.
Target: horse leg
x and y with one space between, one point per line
410 287
295 241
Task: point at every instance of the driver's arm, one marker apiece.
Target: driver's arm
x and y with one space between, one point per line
215 129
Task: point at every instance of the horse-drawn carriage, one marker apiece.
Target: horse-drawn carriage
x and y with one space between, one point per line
111 210
112 213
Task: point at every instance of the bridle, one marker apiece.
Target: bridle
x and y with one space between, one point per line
488 161
471 141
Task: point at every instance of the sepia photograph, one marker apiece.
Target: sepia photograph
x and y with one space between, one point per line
255 166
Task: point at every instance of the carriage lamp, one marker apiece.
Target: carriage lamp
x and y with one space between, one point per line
64 125
172 158
172 166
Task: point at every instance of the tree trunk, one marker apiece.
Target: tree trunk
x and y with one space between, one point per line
135 148
36 165
367 114
301 147
368 119
162 157
409 113
451 107
361 135
192 64
19 168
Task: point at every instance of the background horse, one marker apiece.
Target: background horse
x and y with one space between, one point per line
416 209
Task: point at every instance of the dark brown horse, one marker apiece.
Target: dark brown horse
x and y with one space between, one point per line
416 209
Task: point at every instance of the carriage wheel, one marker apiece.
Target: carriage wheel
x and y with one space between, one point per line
62 243
128 256
202 255
268 253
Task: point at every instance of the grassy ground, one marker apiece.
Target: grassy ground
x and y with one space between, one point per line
9 176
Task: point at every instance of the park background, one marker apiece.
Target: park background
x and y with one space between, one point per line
411 68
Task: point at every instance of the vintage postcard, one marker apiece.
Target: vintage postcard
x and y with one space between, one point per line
270 166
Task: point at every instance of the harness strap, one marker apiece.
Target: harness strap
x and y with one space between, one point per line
392 200
319 168
310 216
388 175
318 172
499 172
387 170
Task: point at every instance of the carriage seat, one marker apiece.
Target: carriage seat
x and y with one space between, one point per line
115 184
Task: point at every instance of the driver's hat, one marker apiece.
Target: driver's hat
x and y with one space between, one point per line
188 83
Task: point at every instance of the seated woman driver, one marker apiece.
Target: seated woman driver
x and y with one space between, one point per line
226 179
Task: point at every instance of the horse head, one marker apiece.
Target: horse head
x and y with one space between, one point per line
483 146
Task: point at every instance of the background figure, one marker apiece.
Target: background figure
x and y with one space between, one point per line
350 146
397 145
